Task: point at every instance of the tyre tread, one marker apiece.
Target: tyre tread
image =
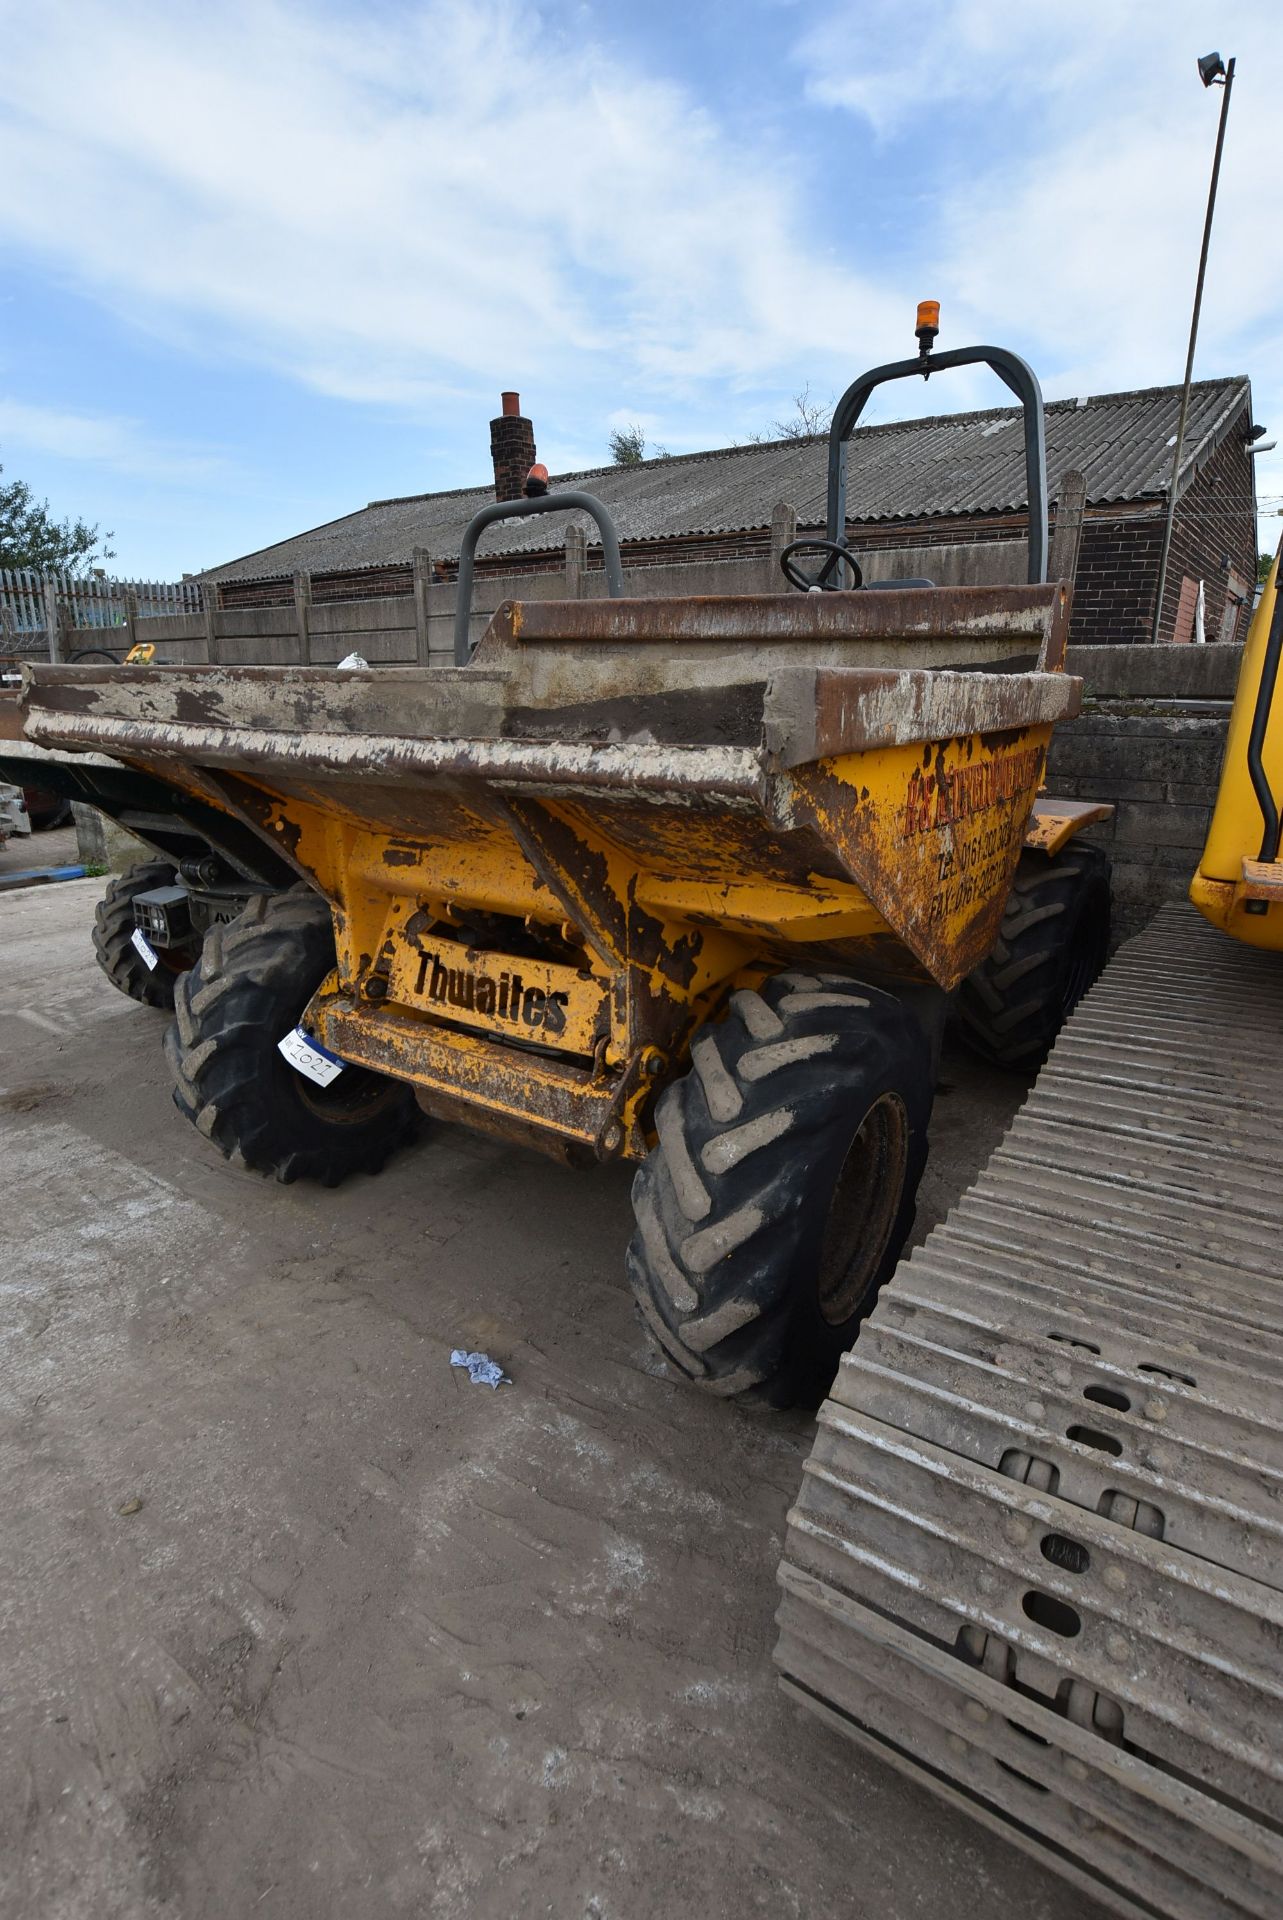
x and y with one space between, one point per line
717 1201
1010 1007
112 935
252 971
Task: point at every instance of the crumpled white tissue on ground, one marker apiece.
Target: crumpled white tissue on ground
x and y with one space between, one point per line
482 1370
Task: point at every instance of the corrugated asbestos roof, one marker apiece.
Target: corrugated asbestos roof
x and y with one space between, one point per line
962 463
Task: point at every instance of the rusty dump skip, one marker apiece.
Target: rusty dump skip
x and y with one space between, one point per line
547 867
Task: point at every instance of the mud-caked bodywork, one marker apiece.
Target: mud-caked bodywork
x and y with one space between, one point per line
549 868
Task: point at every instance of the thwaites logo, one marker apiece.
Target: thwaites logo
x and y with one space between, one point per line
938 800
507 998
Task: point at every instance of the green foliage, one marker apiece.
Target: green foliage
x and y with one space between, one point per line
31 537
1264 561
628 447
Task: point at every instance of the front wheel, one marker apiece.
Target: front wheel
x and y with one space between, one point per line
249 989
782 1187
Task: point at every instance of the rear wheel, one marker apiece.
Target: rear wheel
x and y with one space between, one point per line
249 989
1053 942
113 937
782 1187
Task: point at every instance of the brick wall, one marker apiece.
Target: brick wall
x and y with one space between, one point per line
942 529
1214 534
1116 577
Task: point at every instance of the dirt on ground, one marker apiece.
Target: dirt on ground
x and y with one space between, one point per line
297 1622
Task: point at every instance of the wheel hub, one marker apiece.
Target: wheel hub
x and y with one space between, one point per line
863 1210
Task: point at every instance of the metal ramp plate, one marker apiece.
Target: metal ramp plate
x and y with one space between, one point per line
1037 1556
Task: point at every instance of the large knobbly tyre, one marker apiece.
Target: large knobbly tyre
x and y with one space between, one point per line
250 986
782 1186
113 932
1053 942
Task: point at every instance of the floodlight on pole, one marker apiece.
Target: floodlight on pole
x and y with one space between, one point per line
1212 71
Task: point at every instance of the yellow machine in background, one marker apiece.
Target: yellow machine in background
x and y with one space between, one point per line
1239 883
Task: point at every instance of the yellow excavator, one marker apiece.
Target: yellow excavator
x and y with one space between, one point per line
1238 890
1037 1558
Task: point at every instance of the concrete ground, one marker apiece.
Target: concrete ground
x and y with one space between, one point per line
53 847
297 1622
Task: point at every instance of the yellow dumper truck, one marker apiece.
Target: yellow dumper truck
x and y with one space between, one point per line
692 883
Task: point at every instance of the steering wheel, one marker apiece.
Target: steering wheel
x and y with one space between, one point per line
838 555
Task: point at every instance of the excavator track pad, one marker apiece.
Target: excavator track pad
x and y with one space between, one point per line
1037 1557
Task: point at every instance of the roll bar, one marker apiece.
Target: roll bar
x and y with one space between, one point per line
519 510
1013 371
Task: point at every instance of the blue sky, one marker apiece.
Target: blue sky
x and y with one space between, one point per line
262 262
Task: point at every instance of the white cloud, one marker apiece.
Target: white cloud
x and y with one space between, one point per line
1072 221
411 207
106 440
999 58
448 194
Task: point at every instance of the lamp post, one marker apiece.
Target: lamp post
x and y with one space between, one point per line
1212 71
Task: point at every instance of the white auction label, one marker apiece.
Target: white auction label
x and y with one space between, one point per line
144 948
308 1056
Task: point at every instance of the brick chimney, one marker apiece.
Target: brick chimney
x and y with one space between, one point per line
512 448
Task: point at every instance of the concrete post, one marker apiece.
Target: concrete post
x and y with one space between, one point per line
302 614
51 615
422 581
209 608
1071 503
783 531
131 617
576 560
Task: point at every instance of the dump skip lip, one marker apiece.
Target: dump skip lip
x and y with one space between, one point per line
734 771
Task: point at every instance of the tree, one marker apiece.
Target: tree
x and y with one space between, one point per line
809 418
628 447
31 537
1264 561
